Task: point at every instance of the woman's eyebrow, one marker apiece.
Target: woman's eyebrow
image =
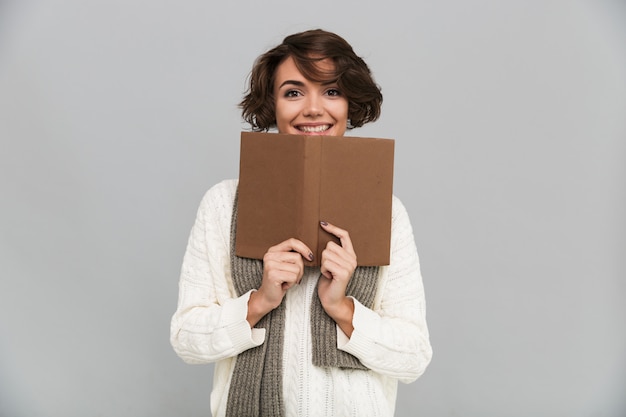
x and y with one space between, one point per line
301 84
292 82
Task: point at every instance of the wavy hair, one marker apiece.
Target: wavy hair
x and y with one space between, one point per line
351 73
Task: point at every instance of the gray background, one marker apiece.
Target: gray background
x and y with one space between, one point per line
117 115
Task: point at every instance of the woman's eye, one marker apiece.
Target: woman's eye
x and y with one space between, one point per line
292 93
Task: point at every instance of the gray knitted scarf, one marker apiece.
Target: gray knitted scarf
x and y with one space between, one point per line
256 383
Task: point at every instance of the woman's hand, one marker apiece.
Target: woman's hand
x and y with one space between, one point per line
283 267
337 266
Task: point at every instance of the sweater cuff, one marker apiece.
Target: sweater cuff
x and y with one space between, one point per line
241 335
363 321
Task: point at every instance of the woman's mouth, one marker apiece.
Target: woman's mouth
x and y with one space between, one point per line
314 129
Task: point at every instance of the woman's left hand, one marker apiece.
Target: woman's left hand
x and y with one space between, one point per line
337 266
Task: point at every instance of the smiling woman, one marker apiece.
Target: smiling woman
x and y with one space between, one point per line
290 340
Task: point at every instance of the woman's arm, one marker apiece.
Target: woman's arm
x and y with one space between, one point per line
210 321
393 338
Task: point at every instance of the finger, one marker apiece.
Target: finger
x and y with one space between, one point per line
293 265
286 257
338 268
276 264
325 272
284 262
283 275
294 245
338 261
343 235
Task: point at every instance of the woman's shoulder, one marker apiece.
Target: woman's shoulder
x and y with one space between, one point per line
228 186
397 207
225 188
221 194
400 219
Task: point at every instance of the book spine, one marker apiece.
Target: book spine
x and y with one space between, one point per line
310 198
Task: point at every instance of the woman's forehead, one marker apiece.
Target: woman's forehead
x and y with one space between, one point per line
314 69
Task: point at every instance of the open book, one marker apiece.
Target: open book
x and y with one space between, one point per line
289 183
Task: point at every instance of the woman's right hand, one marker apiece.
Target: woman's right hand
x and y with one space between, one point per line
283 267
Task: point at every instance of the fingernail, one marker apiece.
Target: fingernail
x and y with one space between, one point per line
310 256
324 223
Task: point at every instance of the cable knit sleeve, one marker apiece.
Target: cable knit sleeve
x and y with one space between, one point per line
210 321
392 339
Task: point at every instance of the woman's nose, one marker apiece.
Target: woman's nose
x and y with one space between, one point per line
313 107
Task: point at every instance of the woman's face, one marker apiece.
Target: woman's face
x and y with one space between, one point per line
307 107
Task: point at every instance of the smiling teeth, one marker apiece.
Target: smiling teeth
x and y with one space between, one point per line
314 129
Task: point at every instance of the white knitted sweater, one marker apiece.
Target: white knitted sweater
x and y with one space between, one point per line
392 340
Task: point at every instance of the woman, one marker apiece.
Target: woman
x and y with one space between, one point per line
264 323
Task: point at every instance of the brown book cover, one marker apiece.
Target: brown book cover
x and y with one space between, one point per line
289 183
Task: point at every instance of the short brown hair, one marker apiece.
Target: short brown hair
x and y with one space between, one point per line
351 74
